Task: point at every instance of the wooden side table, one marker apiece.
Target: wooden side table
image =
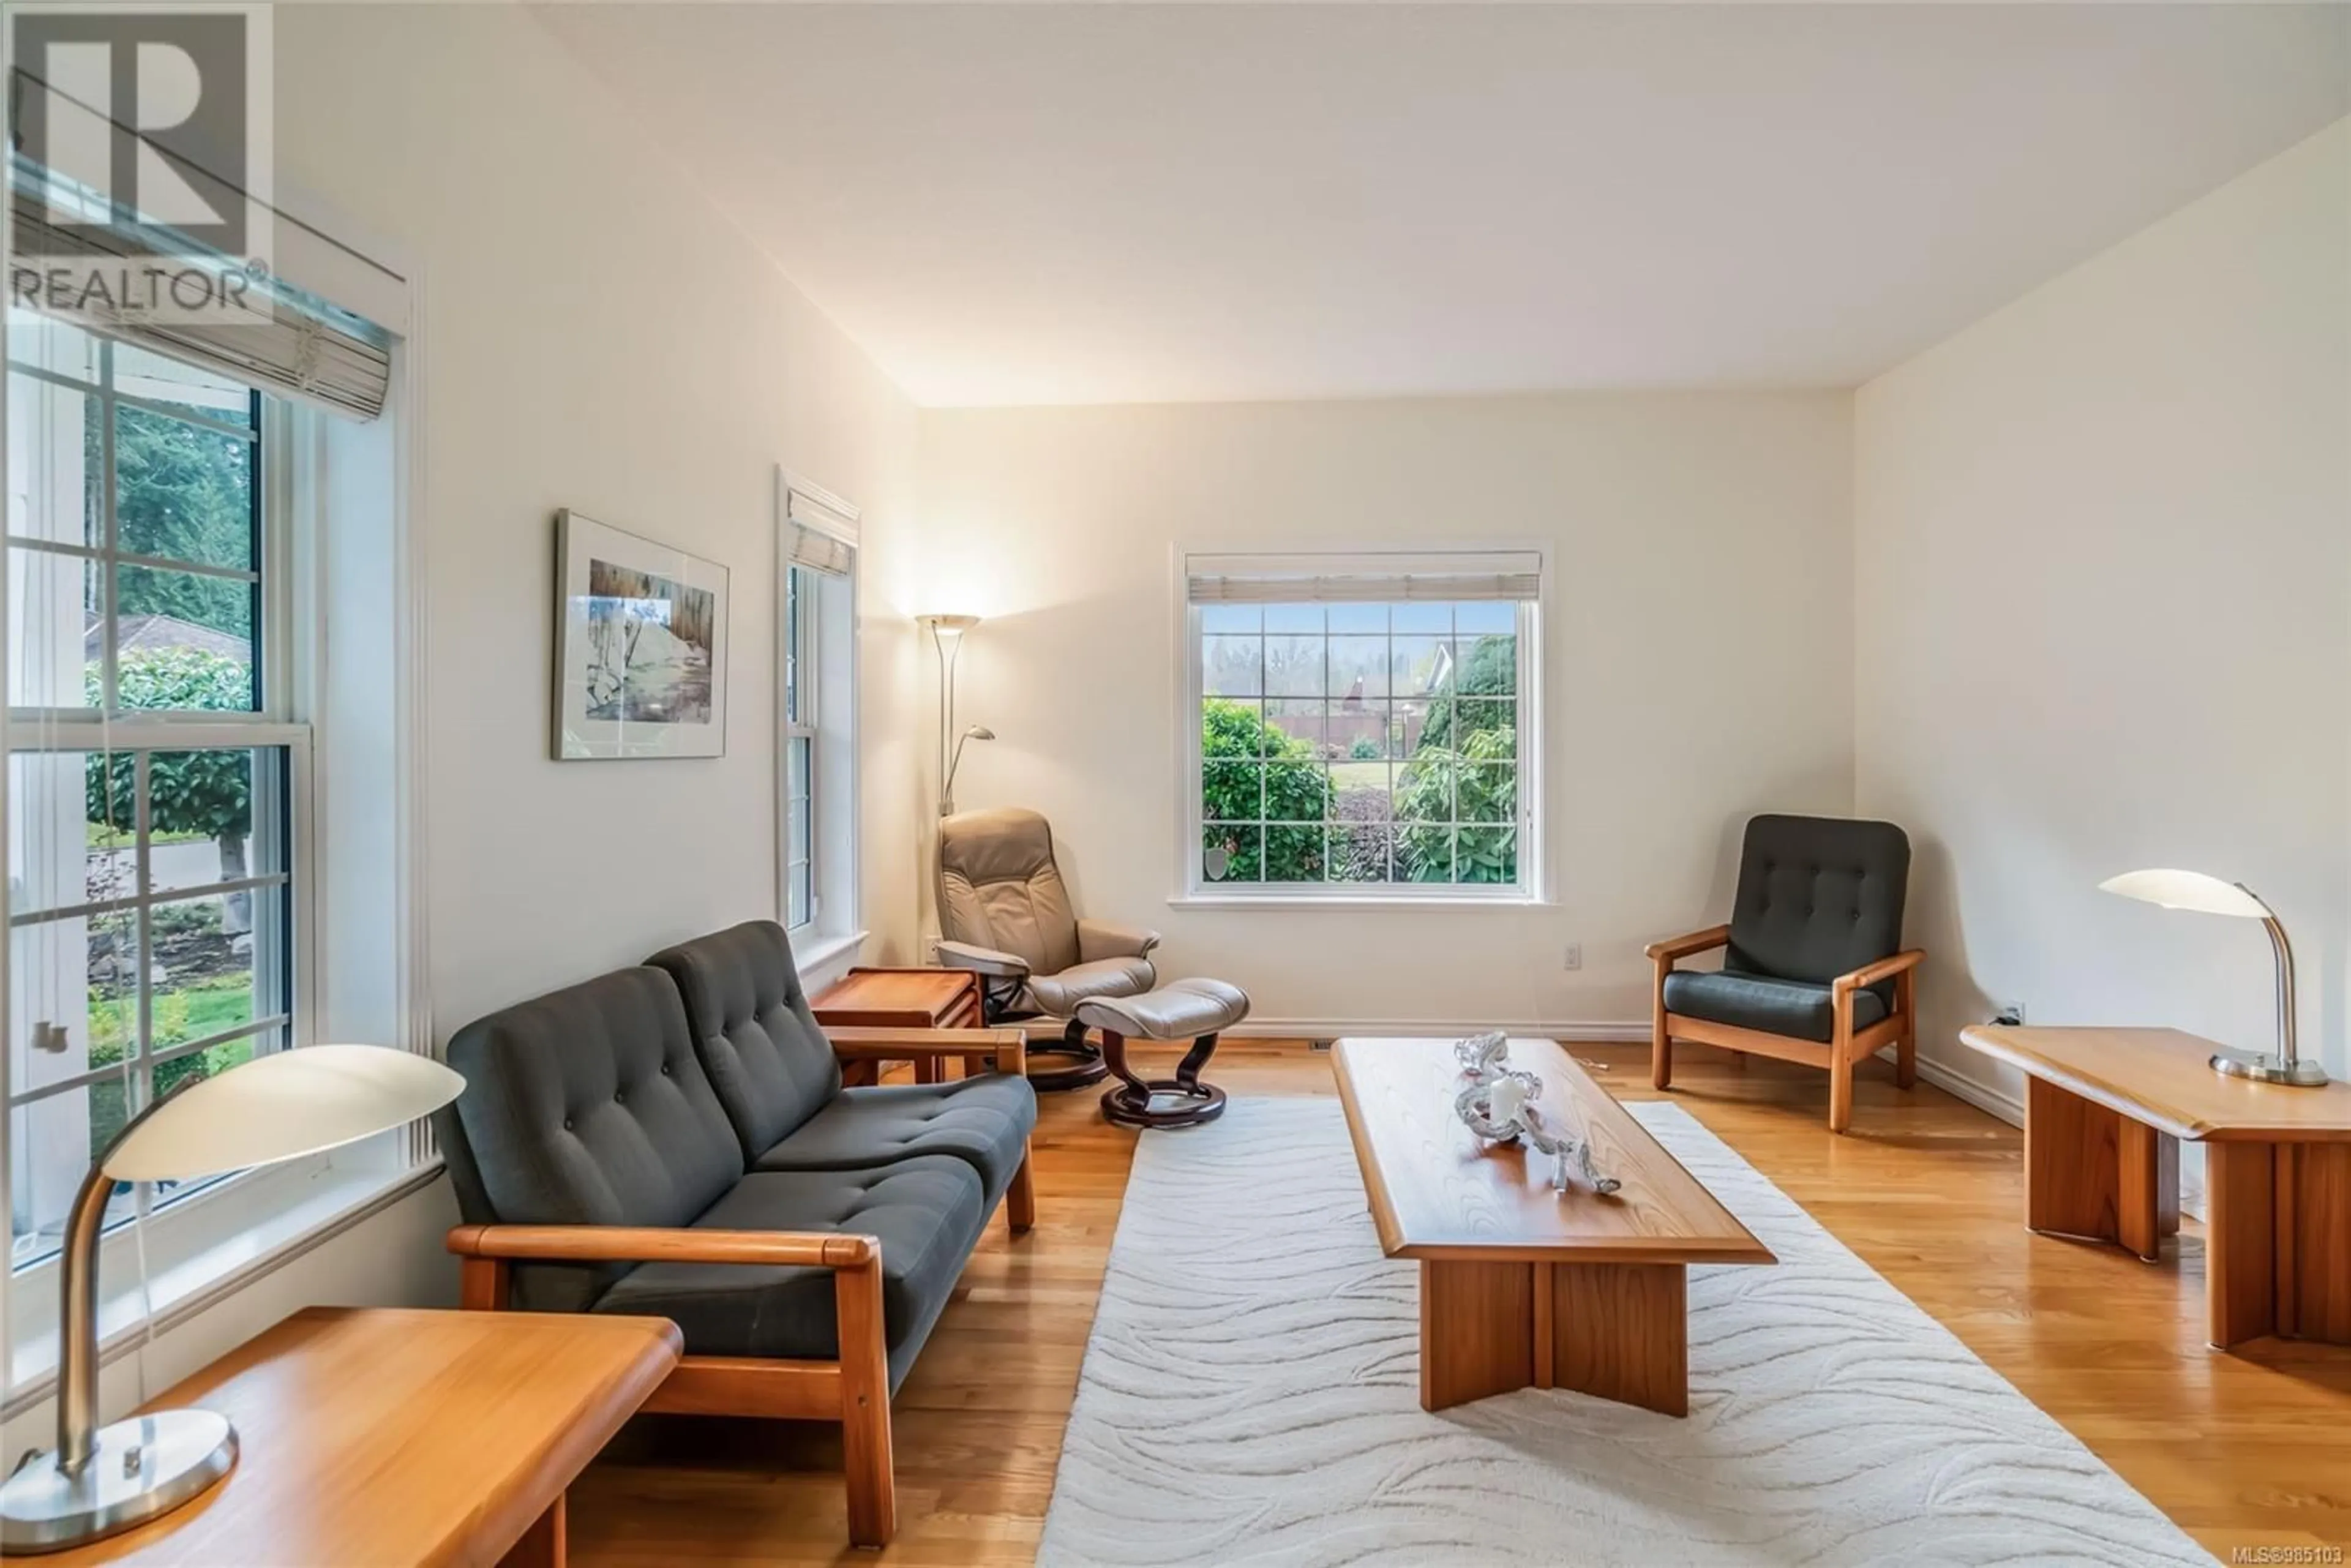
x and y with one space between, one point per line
375 1436
2105 1112
899 998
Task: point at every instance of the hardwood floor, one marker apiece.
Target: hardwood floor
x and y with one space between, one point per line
2242 1450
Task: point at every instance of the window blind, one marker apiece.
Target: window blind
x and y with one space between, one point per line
286 340
820 529
1510 575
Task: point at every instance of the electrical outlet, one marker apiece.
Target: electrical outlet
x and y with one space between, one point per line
1575 955
2011 1015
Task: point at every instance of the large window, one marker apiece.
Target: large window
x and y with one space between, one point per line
1363 727
153 762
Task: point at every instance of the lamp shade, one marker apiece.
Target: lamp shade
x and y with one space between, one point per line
2190 890
280 1107
950 625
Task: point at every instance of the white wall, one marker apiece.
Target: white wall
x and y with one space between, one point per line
1698 656
2103 601
593 335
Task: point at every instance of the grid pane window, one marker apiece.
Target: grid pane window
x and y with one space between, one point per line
801 596
151 824
148 943
134 528
1368 745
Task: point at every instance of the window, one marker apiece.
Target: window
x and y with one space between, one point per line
803 681
155 766
817 720
1361 726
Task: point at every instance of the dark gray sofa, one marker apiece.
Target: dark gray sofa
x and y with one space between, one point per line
675 1141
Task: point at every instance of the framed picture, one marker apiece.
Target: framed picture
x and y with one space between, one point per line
640 646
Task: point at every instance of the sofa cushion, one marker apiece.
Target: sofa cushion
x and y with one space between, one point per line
927 1210
586 1106
766 1055
1797 1009
1818 897
984 1121
1058 995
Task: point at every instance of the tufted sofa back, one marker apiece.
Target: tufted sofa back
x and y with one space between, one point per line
998 887
766 1055
1818 896
586 1106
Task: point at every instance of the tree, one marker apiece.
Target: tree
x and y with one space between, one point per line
205 793
1490 671
182 492
1250 771
1477 786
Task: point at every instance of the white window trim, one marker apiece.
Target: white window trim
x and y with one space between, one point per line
222 1243
1533 888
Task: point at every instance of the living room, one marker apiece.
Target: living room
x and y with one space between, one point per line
1456 695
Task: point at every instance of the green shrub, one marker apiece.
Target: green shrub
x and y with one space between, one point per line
1252 771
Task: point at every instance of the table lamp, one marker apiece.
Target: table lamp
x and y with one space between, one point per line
102 1480
2204 894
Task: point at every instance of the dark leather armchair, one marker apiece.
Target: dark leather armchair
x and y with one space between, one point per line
1813 968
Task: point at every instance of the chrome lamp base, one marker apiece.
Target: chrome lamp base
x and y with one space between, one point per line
2264 1067
144 1468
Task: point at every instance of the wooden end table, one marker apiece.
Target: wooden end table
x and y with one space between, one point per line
2105 1113
376 1437
899 998
1521 1285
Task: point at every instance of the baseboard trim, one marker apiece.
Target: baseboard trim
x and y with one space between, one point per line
1444 1028
1982 1096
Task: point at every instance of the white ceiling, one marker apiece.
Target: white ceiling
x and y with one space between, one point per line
1082 204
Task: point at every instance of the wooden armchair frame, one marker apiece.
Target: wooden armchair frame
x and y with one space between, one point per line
854 1390
1899 1028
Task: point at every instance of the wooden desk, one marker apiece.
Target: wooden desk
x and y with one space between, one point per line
1520 1284
2105 1113
899 998
374 1438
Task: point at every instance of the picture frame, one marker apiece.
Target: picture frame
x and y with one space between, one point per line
640 646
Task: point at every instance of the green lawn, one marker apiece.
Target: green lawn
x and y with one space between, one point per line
180 1016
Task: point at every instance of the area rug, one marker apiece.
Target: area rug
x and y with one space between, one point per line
1250 1396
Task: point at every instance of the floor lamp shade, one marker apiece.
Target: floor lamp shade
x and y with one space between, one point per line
101 1480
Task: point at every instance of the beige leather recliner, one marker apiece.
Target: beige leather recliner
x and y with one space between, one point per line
1005 914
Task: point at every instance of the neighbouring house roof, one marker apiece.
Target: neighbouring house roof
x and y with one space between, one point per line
149 634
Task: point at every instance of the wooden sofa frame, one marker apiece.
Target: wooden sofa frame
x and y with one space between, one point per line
1899 1028
854 1390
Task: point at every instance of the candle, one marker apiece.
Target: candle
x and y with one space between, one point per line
1504 1101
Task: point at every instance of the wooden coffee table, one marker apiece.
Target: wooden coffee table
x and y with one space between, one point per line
1521 1285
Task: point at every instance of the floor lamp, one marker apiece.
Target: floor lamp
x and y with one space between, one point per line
946 637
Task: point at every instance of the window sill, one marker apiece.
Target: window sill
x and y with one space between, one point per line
324 1205
1355 901
821 960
